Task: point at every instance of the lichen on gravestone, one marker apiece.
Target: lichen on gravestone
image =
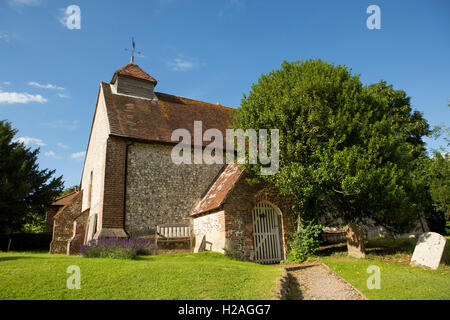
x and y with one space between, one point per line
429 250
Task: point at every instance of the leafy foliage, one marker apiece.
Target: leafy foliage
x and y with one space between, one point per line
305 241
346 150
439 173
25 190
25 242
434 173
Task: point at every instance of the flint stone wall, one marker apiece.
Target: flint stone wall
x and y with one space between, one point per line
79 233
63 225
50 214
159 191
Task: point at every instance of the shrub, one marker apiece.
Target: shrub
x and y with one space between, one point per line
116 248
304 242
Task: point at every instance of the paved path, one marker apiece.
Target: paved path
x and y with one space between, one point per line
317 282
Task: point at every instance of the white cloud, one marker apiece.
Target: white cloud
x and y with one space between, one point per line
70 17
238 3
6 83
53 155
18 97
63 96
78 155
4 36
62 18
21 3
62 145
62 124
30 141
181 63
45 86
232 5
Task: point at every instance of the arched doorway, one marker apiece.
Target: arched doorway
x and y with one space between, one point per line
266 233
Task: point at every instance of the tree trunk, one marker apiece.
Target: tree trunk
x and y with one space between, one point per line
355 241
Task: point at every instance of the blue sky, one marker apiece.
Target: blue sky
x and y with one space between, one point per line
211 50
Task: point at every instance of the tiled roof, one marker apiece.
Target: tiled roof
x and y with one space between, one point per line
155 120
76 194
219 191
133 70
65 199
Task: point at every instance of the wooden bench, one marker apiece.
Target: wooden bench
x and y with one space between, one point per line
173 233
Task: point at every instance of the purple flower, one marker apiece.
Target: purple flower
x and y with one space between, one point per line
117 248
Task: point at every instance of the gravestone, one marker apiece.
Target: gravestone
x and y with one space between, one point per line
355 241
429 250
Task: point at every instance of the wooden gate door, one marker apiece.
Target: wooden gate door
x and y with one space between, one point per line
266 234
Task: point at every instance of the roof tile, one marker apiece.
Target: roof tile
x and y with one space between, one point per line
133 70
65 199
155 120
219 191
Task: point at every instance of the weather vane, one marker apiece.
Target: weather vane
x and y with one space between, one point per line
133 50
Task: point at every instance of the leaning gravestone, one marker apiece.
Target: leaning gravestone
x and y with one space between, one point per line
429 250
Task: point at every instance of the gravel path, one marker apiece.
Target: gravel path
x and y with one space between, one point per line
317 282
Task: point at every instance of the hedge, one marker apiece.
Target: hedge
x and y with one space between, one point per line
26 242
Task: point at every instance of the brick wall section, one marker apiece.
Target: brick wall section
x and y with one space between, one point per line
63 224
79 233
114 184
239 221
51 212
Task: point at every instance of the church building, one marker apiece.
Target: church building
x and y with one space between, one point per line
130 185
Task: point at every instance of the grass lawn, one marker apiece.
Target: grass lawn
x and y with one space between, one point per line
399 281
179 276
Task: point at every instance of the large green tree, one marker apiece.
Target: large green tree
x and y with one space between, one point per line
434 175
438 172
347 150
25 190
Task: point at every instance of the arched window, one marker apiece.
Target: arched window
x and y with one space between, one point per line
90 190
